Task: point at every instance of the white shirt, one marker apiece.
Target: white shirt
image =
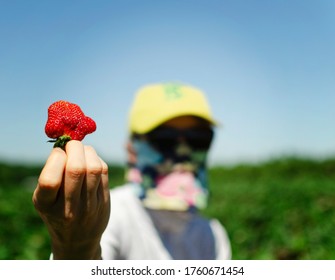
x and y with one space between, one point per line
131 234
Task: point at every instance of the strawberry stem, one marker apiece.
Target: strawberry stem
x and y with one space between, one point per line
60 141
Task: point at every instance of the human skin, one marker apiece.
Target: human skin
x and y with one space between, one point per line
72 198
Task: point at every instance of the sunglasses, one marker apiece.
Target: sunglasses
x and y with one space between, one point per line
165 138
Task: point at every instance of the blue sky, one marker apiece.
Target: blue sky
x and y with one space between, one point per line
267 68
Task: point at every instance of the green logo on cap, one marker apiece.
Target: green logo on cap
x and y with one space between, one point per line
172 91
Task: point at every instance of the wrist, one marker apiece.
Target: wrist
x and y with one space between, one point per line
74 251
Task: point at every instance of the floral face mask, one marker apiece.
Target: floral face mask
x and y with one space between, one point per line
171 175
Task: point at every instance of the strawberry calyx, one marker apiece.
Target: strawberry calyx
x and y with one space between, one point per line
60 141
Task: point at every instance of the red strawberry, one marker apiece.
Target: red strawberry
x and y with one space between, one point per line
66 121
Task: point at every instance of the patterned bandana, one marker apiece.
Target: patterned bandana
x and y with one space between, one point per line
173 181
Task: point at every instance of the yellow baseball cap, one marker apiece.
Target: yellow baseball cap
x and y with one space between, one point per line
157 103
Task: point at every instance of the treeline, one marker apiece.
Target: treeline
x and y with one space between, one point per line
287 167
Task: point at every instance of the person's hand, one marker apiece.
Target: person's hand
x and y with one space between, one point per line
72 198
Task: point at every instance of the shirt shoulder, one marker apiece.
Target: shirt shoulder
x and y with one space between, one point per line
223 246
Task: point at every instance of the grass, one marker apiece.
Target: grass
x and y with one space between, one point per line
279 209
283 209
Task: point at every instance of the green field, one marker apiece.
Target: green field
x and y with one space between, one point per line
279 209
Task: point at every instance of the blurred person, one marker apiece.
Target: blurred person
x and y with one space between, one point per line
155 215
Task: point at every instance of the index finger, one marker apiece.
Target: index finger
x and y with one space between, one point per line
50 178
